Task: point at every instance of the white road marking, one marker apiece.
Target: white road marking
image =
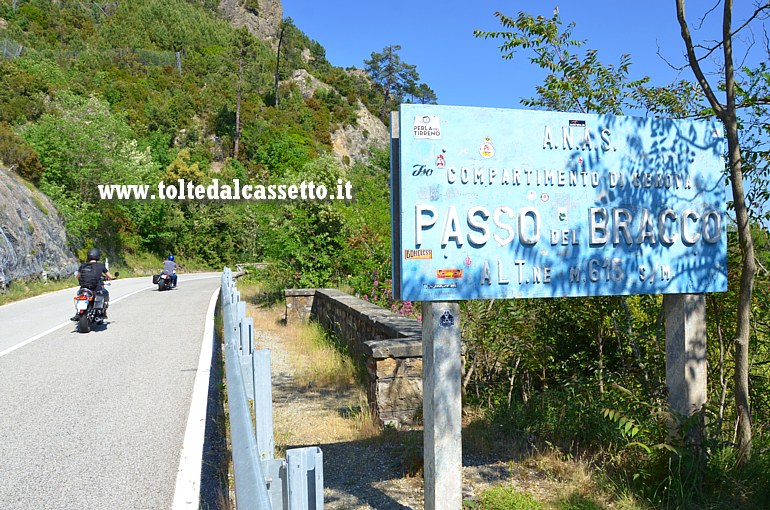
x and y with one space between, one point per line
51 330
187 490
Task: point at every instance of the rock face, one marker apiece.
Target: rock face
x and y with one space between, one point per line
307 83
261 17
352 143
33 241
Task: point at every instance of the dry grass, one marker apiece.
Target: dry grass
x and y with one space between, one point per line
317 361
316 397
575 484
23 289
557 480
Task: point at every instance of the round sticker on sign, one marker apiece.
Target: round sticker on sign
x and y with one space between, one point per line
486 149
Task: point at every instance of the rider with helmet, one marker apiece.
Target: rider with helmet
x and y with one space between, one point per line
90 275
170 266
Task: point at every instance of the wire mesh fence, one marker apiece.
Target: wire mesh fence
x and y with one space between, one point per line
11 49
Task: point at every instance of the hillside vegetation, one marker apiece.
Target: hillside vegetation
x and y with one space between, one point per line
141 92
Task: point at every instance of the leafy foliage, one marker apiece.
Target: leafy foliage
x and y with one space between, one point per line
139 92
574 83
16 154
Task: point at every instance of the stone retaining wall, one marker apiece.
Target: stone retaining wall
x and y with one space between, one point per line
389 345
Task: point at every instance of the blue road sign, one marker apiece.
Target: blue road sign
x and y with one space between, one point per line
492 203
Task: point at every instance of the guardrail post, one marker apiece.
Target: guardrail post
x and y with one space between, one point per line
245 328
247 335
275 478
305 478
263 403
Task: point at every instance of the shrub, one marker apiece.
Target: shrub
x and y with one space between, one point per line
18 155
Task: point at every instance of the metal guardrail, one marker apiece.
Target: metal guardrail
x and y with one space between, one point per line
261 482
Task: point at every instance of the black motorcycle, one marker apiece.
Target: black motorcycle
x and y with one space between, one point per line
164 281
90 307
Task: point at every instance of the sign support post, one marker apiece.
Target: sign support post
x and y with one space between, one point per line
442 405
685 316
488 203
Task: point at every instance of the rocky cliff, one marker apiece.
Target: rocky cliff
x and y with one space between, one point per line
350 143
33 241
261 17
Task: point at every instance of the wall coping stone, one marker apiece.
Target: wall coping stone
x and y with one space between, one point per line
299 292
405 347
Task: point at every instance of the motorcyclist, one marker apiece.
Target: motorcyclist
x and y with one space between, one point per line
170 266
90 274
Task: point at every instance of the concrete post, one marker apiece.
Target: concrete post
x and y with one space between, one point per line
685 316
442 405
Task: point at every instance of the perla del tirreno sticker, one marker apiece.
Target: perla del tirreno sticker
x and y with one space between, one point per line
426 127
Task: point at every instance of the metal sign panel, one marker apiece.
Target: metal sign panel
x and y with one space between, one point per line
491 203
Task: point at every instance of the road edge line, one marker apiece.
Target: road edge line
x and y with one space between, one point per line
188 478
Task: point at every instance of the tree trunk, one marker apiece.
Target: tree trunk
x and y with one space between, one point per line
600 344
385 99
277 63
727 114
238 109
748 268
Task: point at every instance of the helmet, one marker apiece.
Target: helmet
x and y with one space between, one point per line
170 257
94 254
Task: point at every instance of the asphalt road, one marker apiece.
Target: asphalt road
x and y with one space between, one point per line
97 420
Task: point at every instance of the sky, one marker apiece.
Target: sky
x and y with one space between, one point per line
437 37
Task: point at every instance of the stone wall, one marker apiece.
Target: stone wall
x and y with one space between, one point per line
389 345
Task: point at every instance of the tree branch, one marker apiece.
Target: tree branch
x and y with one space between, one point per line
694 62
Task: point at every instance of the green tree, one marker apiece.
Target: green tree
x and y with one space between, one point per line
423 94
80 145
727 112
393 77
574 82
244 46
304 237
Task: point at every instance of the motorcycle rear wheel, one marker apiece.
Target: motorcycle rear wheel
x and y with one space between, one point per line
84 325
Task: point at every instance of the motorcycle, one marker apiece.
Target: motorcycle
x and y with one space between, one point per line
90 307
164 281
